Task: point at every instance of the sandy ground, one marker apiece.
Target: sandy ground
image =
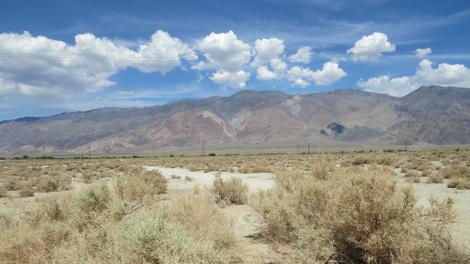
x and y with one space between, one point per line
461 228
183 179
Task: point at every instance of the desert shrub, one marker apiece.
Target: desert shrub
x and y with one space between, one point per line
278 214
435 178
286 179
455 171
385 160
359 161
412 174
93 199
199 214
26 191
459 183
152 238
360 216
369 217
53 183
231 191
135 188
48 210
3 192
13 184
320 171
89 203
28 245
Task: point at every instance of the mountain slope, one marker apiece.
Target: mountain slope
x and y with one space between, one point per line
429 115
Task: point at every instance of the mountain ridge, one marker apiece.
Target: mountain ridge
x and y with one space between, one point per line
429 115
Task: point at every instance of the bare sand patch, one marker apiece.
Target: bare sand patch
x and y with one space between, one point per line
184 179
424 191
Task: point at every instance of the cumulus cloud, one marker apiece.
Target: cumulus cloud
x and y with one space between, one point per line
300 76
162 54
37 65
423 52
397 86
444 74
223 51
277 71
371 47
267 49
235 79
303 55
330 73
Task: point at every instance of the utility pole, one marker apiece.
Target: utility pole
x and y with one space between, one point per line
203 147
89 152
297 148
308 148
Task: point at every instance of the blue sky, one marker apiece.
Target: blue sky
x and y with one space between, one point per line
205 48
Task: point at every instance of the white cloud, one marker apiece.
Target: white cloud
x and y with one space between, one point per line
278 67
163 53
300 76
397 86
235 79
42 66
223 51
444 74
303 55
423 52
330 73
266 50
371 47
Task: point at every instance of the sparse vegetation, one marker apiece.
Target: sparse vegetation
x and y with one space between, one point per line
345 207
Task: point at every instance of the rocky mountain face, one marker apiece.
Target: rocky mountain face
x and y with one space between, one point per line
249 119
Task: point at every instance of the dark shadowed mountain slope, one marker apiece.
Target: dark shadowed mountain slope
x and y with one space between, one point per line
429 115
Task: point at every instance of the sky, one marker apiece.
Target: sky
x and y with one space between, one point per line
65 55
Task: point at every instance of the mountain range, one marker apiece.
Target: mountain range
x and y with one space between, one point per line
431 115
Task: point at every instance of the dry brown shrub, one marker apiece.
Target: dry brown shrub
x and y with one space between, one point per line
55 183
199 214
358 217
3 192
26 191
230 191
435 178
459 184
140 185
320 170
